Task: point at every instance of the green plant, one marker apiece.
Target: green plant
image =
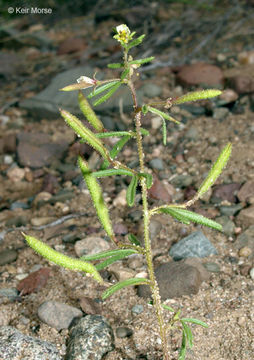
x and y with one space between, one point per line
103 90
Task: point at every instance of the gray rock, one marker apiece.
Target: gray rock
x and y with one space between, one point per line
194 245
137 309
8 256
135 215
174 279
181 181
245 239
10 293
19 205
91 338
212 267
230 210
48 101
17 221
14 345
151 90
154 228
220 113
156 164
57 315
123 332
228 227
192 134
37 149
62 196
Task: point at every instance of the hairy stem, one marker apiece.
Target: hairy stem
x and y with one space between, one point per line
146 216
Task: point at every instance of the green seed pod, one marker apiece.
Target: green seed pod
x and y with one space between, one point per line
60 259
84 133
215 171
96 195
196 95
89 113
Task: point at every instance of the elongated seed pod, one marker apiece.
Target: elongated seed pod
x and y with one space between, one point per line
97 198
196 95
216 169
60 259
89 113
84 133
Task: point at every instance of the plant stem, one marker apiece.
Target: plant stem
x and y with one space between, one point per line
148 253
146 216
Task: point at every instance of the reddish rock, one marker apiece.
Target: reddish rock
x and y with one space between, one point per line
8 144
120 229
50 184
243 84
229 96
246 191
71 45
200 74
246 216
159 192
226 191
34 282
89 306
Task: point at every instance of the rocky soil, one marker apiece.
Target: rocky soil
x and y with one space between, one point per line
51 313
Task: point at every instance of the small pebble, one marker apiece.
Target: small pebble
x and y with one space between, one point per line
245 251
120 199
122 332
8 256
252 273
137 309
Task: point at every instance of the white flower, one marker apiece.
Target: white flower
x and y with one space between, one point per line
123 34
88 81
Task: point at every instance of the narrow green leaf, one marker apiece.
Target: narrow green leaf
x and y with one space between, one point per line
113 134
168 308
108 253
89 113
133 239
113 259
183 347
115 150
131 191
188 333
125 73
135 42
216 169
149 179
195 321
60 259
84 132
115 65
111 172
123 284
196 95
108 94
102 88
96 196
164 132
186 216
162 114
142 61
